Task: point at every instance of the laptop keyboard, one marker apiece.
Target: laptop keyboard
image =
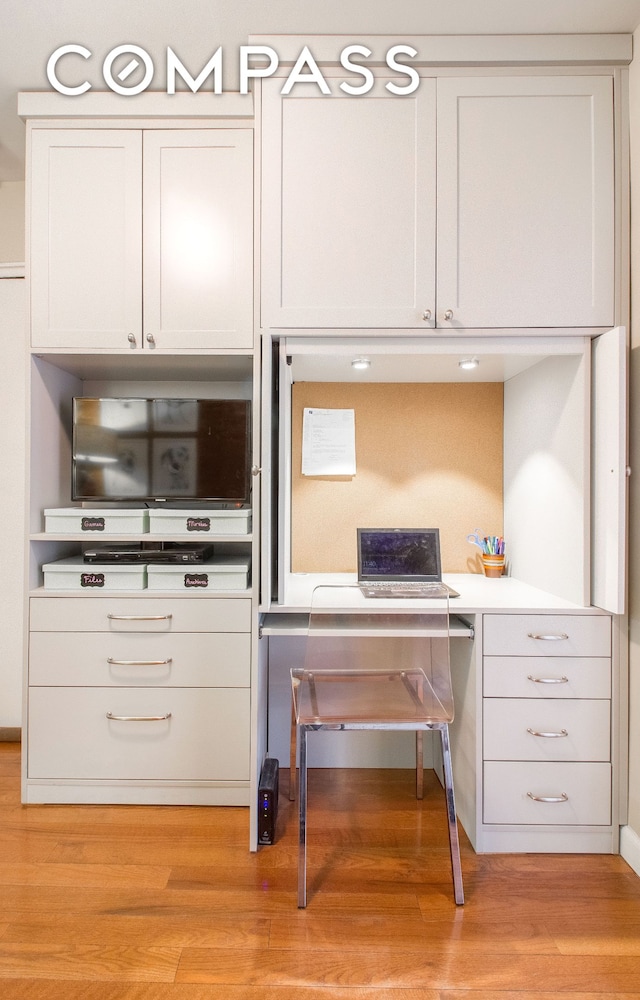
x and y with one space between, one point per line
388 588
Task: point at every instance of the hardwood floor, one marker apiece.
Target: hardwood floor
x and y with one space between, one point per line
143 903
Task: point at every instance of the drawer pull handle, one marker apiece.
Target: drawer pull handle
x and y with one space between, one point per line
549 736
138 663
138 718
139 618
553 637
549 798
548 680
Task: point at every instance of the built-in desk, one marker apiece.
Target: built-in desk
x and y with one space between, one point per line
534 740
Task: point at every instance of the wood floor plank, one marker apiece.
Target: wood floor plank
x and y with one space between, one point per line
320 933
93 962
87 876
165 930
392 968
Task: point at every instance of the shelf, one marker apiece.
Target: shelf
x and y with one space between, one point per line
199 366
197 595
93 537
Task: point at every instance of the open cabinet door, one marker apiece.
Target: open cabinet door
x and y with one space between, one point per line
609 471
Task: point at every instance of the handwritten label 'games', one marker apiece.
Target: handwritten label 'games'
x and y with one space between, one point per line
92 524
198 524
92 579
196 579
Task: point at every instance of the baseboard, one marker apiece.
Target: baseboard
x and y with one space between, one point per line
10 734
630 847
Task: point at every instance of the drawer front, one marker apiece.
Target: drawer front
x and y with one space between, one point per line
137 659
547 635
206 737
112 614
580 794
547 677
581 729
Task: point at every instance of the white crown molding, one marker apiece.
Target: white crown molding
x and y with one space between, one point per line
106 104
463 50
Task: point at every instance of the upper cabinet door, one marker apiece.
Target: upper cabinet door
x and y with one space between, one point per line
348 208
609 470
85 238
198 238
525 202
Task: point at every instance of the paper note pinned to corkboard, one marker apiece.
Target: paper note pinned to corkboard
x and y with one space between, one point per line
428 455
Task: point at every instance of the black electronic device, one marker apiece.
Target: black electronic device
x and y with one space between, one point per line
177 450
268 801
168 552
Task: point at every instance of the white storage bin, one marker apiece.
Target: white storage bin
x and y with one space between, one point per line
82 520
228 574
172 521
75 574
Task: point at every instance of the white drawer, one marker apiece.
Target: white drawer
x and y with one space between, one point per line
547 677
507 722
206 737
547 635
175 659
508 788
145 614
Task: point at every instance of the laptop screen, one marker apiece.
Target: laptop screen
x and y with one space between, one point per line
399 554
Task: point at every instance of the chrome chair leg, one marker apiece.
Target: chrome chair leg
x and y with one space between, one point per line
292 755
419 764
454 842
302 813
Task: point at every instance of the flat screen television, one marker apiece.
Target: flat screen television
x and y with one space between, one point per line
187 450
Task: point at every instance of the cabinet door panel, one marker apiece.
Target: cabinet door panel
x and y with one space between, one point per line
86 233
609 467
205 737
547 635
139 659
547 677
348 208
525 201
198 233
578 793
144 614
515 728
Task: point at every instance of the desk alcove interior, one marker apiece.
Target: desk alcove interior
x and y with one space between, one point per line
556 438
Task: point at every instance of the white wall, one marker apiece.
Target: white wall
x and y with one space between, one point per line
12 495
11 221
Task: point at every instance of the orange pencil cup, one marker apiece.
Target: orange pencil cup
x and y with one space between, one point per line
493 565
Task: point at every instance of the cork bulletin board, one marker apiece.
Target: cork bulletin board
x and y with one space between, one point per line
427 455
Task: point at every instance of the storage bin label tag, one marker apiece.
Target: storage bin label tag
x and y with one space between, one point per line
198 524
92 524
196 579
92 579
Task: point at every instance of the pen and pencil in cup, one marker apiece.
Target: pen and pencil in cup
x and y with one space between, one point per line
491 550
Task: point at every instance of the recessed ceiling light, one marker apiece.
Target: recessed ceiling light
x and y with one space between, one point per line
360 363
468 363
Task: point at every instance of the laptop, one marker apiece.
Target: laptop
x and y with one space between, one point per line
400 562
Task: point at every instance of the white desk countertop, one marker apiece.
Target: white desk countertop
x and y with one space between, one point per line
477 594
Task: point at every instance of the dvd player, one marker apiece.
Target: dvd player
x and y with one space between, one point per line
167 553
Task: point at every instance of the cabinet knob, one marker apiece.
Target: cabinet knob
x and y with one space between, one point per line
131 338
426 315
448 314
150 338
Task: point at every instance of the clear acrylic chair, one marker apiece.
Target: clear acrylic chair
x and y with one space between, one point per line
375 668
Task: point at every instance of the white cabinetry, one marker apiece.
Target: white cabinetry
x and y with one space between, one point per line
141 285
546 725
523 200
141 238
141 691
